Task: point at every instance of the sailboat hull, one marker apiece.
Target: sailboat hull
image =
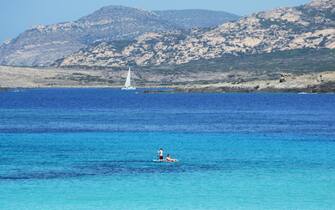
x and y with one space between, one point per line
128 88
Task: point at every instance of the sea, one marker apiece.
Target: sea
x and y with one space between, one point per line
87 149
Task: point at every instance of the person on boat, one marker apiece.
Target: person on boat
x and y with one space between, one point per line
169 159
160 154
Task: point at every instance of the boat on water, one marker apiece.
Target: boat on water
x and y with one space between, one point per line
165 161
127 85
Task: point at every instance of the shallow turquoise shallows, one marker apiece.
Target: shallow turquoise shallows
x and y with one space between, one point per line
68 149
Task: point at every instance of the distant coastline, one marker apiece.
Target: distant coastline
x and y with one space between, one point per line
218 82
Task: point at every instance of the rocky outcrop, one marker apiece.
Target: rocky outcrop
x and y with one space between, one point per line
283 29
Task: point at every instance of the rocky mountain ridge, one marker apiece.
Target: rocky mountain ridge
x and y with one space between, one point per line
308 26
42 45
196 18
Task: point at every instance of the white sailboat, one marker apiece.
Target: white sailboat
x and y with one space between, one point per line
127 84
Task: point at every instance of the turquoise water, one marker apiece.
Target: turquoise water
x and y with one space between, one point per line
93 149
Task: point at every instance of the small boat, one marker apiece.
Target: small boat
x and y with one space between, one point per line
165 161
127 85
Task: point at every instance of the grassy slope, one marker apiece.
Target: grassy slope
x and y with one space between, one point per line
294 61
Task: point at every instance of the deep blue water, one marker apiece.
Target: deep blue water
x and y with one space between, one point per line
76 110
93 149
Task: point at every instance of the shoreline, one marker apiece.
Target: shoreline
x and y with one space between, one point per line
172 90
186 82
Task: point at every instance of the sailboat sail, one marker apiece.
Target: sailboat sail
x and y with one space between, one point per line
127 84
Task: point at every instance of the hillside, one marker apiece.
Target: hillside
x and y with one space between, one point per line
266 65
283 29
302 70
43 45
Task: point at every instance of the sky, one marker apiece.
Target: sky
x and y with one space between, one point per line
19 15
